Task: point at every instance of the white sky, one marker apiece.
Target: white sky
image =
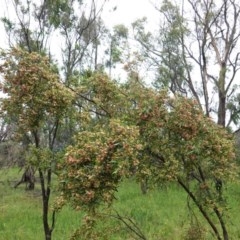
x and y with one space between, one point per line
127 12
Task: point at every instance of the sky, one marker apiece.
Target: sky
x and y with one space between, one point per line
127 11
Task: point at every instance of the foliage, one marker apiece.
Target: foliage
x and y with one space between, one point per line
178 143
36 101
193 55
12 153
34 92
189 148
95 165
127 129
118 46
101 98
183 139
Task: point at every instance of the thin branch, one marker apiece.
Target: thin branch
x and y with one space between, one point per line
201 209
130 224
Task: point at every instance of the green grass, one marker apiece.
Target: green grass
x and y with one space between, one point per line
161 214
21 213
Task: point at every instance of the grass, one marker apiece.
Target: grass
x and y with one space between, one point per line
20 212
161 214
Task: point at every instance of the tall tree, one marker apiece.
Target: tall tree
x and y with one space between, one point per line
37 101
30 26
217 34
197 51
152 136
118 46
80 29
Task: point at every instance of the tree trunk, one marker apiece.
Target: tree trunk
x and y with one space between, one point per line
222 109
201 209
28 178
222 96
45 201
224 229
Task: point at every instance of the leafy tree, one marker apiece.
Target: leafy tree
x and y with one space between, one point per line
35 26
101 158
188 148
118 45
77 24
173 141
196 53
173 67
104 143
31 28
37 101
80 31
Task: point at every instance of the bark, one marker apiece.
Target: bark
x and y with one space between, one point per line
222 96
46 192
28 178
222 109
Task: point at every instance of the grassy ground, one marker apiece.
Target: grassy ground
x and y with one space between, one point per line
20 212
161 214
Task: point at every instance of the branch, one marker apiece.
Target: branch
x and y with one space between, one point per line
130 224
200 207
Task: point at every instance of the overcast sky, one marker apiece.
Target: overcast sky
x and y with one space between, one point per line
127 11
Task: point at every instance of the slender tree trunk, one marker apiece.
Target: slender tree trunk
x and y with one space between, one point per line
222 95
222 109
46 191
201 209
45 201
110 59
96 57
224 229
95 42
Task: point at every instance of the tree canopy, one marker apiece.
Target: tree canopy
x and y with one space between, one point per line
77 120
